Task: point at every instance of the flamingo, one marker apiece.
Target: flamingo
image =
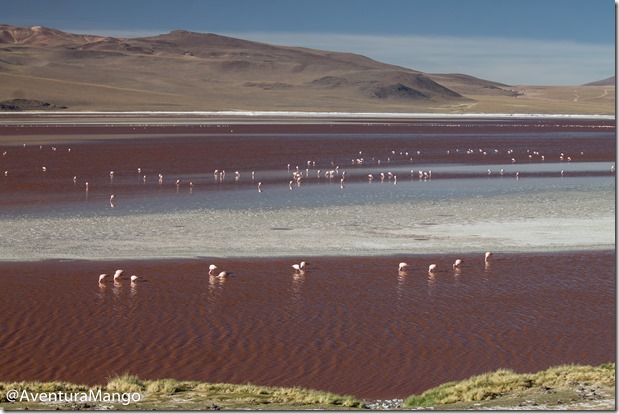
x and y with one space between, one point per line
112 201
457 264
134 278
299 267
211 270
487 256
118 274
402 267
103 278
432 268
223 274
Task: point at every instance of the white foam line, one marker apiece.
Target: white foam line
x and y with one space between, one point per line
300 114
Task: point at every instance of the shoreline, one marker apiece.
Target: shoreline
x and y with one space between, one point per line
291 257
40 127
281 257
315 114
315 263
527 391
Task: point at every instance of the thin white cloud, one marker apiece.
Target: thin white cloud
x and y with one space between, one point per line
510 61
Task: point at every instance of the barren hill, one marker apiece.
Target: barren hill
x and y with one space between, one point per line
184 70
604 82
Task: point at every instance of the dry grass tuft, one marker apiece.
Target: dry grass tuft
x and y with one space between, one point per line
125 383
495 384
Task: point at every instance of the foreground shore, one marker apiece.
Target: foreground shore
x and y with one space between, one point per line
568 387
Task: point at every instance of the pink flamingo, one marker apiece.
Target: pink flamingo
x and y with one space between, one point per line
300 268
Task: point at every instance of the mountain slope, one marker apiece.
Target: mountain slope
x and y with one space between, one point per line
604 82
184 70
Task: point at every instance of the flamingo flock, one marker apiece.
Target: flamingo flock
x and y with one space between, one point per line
456 266
297 174
299 269
116 278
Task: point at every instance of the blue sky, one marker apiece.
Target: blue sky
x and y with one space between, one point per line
534 42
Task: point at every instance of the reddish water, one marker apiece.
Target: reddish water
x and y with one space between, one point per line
350 325
192 153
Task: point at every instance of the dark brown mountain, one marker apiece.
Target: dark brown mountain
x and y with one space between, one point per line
184 70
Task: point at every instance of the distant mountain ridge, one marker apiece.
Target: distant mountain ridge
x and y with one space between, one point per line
205 71
41 36
604 82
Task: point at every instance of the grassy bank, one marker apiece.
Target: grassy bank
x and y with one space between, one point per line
564 387
171 394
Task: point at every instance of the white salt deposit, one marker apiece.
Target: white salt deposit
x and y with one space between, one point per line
568 214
